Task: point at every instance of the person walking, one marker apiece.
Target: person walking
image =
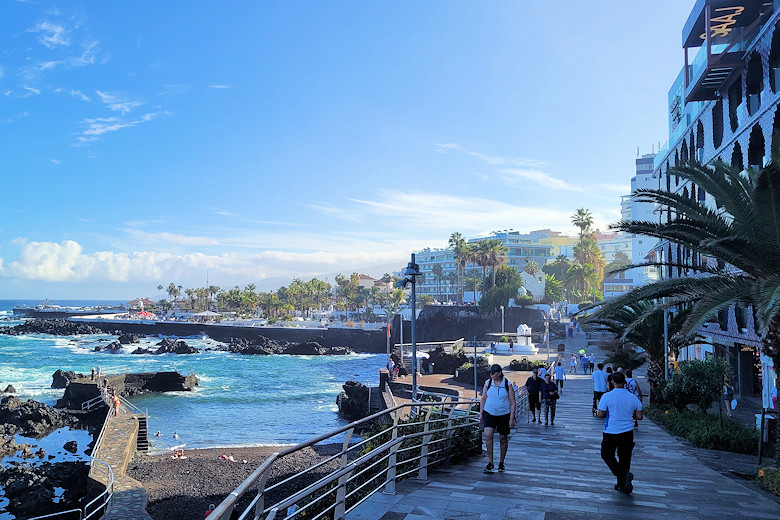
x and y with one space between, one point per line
620 408
532 384
600 385
609 379
728 396
548 395
573 364
497 412
584 361
560 376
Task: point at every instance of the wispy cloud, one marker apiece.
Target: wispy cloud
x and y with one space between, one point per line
171 238
79 95
492 160
116 103
51 35
87 57
338 212
516 175
55 161
98 126
215 85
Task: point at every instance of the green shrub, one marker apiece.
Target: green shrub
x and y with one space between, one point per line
697 382
706 430
769 478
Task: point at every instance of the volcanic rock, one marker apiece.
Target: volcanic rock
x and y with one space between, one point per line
71 446
57 327
126 339
62 378
9 389
30 489
353 401
173 346
31 418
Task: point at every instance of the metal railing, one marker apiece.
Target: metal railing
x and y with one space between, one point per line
421 435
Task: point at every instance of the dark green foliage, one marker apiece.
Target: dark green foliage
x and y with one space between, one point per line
626 358
697 383
706 430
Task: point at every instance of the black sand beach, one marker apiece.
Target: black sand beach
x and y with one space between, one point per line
182 489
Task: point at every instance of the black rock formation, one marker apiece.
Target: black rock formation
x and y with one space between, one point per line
353 401
9 389
112 348
126 339
61 379
71 446
445 363
265 346
57 327
32 419
173 346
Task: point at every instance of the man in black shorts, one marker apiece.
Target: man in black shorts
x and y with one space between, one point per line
533 384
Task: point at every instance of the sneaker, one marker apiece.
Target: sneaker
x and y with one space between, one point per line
533 420
552 423
545 423
501 467
628 487
489 468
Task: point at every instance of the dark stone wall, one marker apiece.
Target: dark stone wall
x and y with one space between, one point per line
448 322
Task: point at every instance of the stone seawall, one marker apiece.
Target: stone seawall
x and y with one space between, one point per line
365 341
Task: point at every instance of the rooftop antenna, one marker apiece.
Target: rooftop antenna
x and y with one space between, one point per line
653 148
637 151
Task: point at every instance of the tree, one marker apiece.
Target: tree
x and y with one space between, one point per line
558 268
438 272
173 292
460 249
583 220
394 302
497 253
531 267
732 245
553 289
578 280
617 265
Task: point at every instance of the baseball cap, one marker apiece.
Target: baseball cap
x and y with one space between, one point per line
495 368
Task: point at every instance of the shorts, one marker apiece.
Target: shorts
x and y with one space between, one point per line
500 423
533 402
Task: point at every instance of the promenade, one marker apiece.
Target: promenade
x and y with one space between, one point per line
556 473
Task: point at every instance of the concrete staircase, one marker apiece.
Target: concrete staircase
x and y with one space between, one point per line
142 442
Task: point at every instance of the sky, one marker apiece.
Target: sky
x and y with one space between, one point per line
143 143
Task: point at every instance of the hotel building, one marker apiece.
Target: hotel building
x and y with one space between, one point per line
724 104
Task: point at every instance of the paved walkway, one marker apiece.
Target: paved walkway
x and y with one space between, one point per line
116 449
556 473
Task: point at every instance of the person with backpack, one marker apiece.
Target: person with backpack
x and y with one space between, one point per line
633 387
497 412
532 384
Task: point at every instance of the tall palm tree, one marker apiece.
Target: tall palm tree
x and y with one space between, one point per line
583 220
482 257
731 248
497 254
588 252
459 247
438 271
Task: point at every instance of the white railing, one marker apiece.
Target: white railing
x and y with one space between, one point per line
422 434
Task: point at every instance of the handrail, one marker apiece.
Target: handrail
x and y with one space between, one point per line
403 448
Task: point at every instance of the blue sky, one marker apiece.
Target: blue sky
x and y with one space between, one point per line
150 142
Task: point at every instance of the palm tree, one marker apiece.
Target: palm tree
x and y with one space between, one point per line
583 220
460 248
531 267
497 254
588 252
438 271
579 280
731 248
642 323
173 292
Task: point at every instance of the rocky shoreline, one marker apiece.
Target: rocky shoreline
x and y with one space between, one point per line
183 488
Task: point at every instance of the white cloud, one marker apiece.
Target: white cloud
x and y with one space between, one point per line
67 262
51 35
338 212
116 104
56 161
171 238
95 127
79 95
491 159
513 175
87 57
214 85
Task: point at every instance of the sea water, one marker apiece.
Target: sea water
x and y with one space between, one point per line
240 401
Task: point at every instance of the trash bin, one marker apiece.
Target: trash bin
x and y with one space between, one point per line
770 424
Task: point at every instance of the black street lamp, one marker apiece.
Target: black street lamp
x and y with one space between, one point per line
411 273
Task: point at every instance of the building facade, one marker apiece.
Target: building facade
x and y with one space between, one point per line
724 105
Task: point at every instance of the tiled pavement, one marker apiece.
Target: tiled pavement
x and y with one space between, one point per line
556 473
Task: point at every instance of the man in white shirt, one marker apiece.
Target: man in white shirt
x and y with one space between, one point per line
560 375
621 408
600 385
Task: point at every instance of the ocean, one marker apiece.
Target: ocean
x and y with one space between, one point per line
241 400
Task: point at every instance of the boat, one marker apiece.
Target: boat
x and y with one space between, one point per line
47 309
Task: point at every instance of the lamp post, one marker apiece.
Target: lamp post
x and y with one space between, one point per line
411 273
502 319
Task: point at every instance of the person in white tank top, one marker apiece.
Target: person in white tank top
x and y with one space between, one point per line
497 412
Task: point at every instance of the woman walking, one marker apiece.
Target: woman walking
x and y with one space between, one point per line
548 394
497 412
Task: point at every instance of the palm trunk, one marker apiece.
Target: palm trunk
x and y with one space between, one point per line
655 374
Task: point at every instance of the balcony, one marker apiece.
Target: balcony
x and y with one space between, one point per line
721 31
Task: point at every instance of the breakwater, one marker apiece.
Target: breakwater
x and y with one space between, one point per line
364 341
